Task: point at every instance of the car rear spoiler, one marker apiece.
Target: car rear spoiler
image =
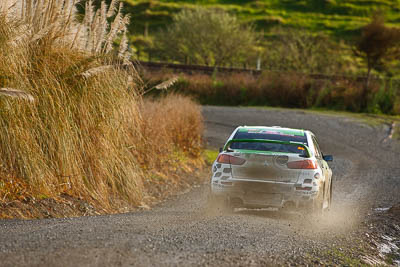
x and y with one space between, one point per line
268 141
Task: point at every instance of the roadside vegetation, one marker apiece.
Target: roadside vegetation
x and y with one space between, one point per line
206 37
288 40
365 69
285 90
75 130
338 21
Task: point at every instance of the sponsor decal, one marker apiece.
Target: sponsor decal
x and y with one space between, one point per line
285 132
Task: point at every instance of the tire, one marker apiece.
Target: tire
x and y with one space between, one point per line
217 205
330 196
316 207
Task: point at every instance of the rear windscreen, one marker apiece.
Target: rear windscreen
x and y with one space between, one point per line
284 135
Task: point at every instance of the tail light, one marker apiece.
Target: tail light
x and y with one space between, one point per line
302 164
223 158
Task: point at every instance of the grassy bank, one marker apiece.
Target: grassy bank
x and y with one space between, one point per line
339 18
164 159
291 90
75 131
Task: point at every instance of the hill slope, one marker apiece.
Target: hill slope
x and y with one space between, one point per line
340 18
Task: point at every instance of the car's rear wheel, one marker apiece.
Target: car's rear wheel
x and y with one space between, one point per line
316 205
328 198
330 195
218 205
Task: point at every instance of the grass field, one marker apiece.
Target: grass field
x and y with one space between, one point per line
338 18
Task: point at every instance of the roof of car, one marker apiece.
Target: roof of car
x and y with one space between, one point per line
273 129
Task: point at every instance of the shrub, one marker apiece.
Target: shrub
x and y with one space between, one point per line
163 135
396 106
282 89
206 36
299 50
382 99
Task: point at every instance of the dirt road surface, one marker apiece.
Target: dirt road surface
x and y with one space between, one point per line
182 232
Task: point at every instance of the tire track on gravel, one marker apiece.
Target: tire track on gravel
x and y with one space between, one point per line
182 232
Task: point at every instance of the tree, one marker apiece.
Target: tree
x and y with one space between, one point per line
206 36
142 43
302 51
378 46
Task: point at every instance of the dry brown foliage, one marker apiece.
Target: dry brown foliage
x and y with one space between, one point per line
88 135
284 89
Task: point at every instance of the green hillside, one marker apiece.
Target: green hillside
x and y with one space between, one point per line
339 18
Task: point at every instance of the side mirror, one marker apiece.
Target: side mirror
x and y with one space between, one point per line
328 158
220 149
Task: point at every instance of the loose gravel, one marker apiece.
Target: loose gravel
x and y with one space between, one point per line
183 232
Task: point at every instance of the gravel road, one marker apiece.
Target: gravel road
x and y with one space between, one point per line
183 232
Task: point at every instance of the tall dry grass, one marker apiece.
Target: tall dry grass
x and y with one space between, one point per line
170 151
55 21
87 133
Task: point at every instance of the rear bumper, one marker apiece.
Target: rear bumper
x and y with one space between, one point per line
263 194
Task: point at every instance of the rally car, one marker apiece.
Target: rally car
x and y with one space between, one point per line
263 167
